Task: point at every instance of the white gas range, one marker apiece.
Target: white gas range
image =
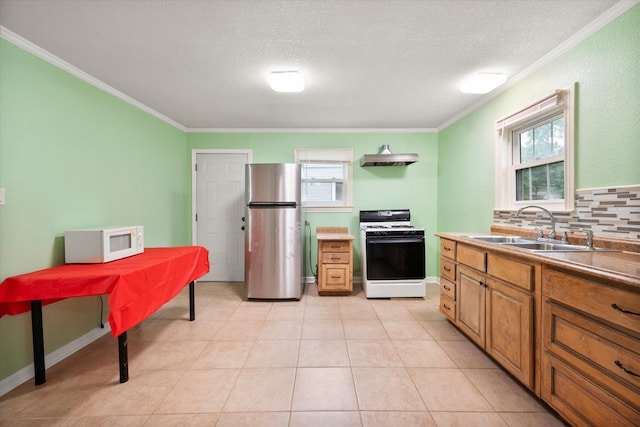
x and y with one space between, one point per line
393 255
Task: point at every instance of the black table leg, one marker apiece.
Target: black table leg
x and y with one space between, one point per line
192 301
38 342
123 357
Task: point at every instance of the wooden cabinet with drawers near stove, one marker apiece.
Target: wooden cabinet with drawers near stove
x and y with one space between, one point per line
335 261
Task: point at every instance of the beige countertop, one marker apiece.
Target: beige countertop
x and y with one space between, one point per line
334 236
620 268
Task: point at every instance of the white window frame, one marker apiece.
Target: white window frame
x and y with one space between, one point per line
330 155
561 102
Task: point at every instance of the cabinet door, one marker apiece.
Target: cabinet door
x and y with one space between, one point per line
470 302
510 334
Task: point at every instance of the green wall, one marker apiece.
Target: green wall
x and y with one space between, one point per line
72 156
413 186
606 67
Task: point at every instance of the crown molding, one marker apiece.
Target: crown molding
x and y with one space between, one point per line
604 19
311 130
47 56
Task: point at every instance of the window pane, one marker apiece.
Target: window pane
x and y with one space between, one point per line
322 191
556 180
526 146
323 171
558 137
539 183
542 141
522 184
323 183
544 182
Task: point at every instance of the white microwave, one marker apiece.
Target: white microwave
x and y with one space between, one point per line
100 245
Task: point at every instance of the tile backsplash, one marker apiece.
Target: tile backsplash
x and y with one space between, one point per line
610 212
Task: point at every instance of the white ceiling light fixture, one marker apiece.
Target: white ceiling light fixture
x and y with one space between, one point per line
286 81
483 83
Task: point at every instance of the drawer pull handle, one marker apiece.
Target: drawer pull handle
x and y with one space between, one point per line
446 248
626 371
447 269
623 310
446 307
446 287
481 283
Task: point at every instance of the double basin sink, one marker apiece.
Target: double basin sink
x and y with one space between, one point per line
534 245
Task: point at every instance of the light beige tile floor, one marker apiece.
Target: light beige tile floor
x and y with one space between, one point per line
320 361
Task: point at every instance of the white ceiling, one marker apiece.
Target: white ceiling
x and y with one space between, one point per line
366 64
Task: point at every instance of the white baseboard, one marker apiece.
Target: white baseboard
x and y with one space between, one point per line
27 373
358 279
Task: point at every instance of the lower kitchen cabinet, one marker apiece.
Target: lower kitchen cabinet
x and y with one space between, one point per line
571 335
335 261
494 307
591 358
510 334
471 312
499 318
448 282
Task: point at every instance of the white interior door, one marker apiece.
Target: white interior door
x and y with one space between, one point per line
219 207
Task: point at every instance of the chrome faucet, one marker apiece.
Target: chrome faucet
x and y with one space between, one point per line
552 233
589 234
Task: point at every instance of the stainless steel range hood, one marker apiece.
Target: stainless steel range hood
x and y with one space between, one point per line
386 158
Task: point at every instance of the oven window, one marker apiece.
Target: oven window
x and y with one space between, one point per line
395 258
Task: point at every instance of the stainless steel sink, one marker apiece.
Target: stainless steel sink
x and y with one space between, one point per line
535 245
546 247
501 239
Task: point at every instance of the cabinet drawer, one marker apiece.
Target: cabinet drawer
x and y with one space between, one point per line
515 272
593 298
580 401
474 258
447 269
599 351
335 258
335 245
335 277
448 308
448 248
448 289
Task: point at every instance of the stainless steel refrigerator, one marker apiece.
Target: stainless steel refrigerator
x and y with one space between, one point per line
273 232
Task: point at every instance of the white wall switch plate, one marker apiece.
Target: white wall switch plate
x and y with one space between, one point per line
2 196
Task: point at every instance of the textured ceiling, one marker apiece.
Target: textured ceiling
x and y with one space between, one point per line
366 64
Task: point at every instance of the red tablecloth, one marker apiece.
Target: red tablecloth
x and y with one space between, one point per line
137 285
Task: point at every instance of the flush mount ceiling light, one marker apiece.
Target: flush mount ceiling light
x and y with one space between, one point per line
286 81
483 83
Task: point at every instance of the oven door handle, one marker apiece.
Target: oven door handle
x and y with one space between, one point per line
387 240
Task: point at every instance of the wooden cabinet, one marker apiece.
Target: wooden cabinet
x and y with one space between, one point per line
510 330
570 334
471 303
448 278
591 350
335 261
495 308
